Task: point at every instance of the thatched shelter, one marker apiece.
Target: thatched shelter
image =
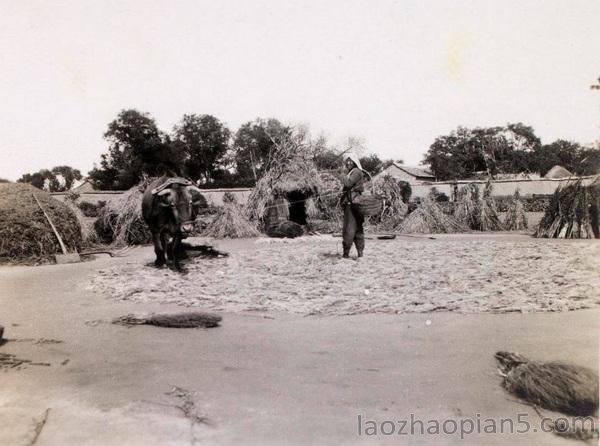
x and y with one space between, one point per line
25 234
281 194
394 207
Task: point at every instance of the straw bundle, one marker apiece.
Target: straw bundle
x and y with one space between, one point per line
120 221
394 207
429 218
489 216
467 210
173 320
230 222
25 234
516 219
572 212
554 386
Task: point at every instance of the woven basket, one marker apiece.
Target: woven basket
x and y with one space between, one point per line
368 205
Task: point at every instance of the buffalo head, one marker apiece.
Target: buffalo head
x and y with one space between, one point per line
183 202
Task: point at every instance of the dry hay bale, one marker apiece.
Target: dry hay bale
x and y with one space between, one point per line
556 386
516 219
429 218
489 215
572 212
25 234
230 222
120 221
195 319
285 229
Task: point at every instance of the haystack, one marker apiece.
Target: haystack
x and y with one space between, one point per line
120 221
516 219
230 222
429 218
25 234
572 212
394 207
291 179
467 209
556 386
489 215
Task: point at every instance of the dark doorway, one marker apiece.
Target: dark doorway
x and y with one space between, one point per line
297 207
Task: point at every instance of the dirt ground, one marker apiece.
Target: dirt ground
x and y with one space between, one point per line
277 375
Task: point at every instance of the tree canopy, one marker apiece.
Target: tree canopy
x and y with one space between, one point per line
204 141
57 179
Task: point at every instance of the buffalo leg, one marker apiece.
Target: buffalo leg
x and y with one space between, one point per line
176 248
159 249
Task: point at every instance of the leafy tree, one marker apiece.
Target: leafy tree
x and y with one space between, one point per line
4 180
66 175
204 140
254 147
58 179
136 148
505 149
560 152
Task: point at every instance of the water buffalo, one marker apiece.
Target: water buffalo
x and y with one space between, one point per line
169 207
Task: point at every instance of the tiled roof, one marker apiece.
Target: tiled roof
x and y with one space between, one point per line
415 171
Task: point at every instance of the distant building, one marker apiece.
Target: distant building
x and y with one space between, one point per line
82 186
558 172
412 175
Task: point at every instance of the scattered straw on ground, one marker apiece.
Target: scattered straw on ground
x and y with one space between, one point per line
402 275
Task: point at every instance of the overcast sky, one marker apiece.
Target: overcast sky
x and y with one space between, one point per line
398 73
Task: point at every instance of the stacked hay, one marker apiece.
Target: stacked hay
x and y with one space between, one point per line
429 218
516 219
394 207
25 234
291 171
477 212
230 222
120 221
572 212
467 209
489 215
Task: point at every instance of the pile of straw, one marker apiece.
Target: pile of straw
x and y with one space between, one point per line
429 218
489 215
291 169
120 221
25 234
467 209
230 222
572 212
554 386
174 320
516 219
394 208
